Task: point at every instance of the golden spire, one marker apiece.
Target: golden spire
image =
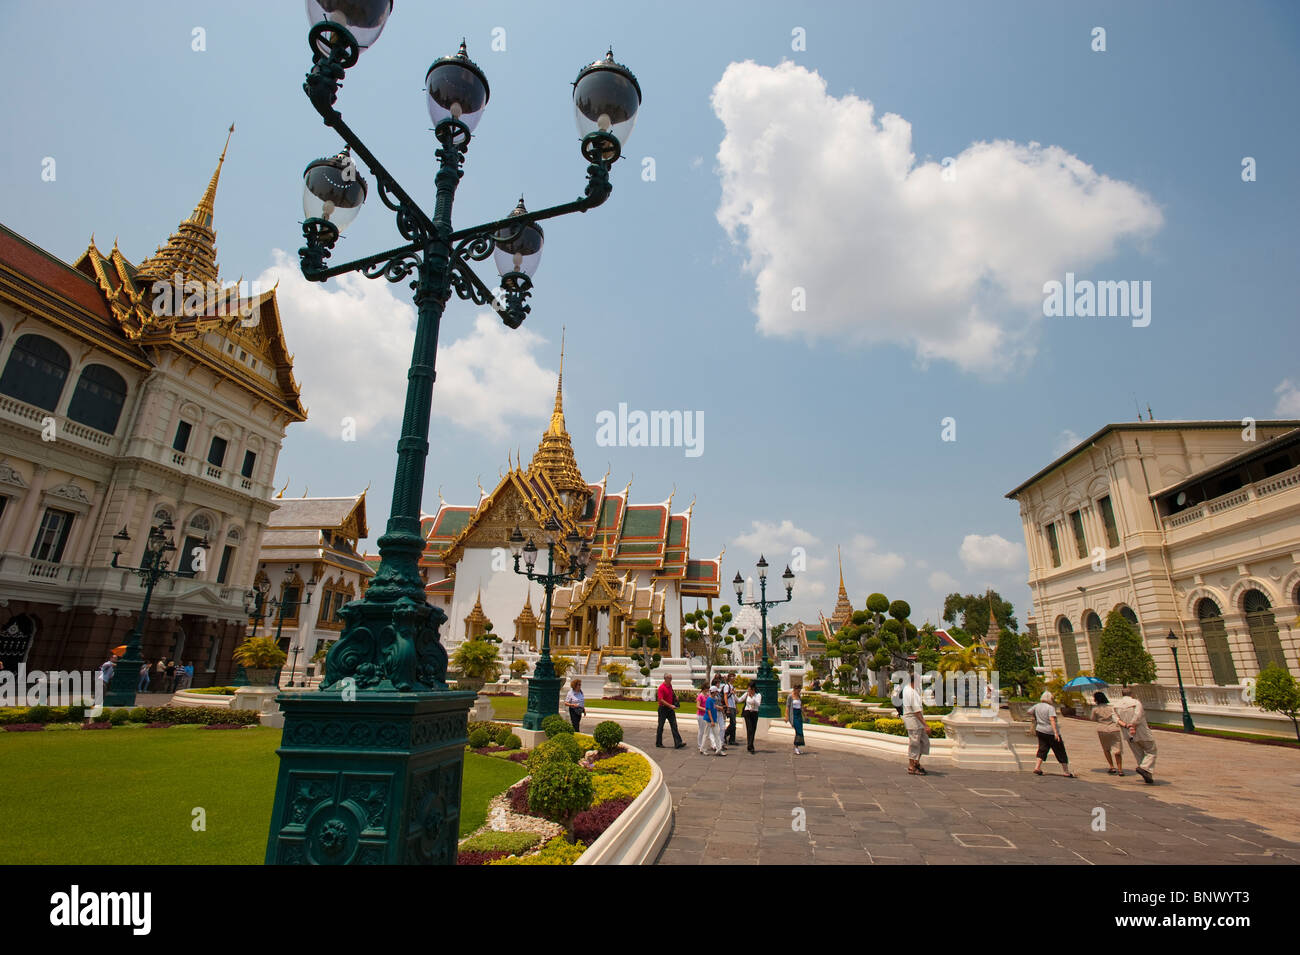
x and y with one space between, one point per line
191 251
554 454
843 611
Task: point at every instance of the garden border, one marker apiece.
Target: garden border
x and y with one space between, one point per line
640 832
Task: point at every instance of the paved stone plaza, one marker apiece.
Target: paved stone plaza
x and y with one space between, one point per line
863 809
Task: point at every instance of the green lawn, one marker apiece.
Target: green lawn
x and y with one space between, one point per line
116 796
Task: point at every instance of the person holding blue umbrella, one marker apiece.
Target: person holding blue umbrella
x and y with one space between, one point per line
1108 732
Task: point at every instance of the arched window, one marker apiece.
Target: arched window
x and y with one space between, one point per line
1263 629
1069 648
35 372
1092 624
161 515
98 398
1216 643
1128 614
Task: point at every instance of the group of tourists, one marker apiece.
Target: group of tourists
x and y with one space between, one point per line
716 708
1126 716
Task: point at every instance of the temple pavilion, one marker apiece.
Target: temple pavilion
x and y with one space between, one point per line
641 566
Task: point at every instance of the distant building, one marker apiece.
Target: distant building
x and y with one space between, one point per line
311 539
115 414
1189 526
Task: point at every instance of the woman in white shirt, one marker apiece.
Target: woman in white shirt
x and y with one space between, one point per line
750 701
1049 735
576 702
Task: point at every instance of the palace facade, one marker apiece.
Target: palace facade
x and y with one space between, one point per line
121 412
640 568
1184 526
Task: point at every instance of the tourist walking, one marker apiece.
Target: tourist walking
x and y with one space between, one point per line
1108 731
719 724
706 714
794 716
576 702
729 698
918 731
144 678
1049 735
751 700
170 670
1132 716
667 698
106 671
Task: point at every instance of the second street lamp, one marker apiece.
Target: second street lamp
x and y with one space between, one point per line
388 665
1188 726
766 681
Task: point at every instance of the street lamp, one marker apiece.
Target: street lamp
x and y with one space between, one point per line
766 680
282 606
1188 726
544 686
153 568
390 646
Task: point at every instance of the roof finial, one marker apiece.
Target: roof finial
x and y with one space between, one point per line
840 557
558 413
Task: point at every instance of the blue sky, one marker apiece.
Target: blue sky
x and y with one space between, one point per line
923 296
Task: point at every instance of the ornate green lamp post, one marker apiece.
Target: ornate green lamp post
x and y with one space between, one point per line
1188 726
766 681
370 765
544 686
153 568
255 607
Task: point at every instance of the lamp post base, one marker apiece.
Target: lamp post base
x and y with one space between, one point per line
369 777
769 688
543 700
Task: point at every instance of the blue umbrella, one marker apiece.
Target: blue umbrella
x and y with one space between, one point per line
1085 683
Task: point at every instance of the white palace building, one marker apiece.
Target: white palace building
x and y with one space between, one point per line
1189 527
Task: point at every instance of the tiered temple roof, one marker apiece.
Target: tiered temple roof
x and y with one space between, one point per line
318 529
232 336
631 537
843 611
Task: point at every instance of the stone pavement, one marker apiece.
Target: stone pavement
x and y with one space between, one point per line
865 809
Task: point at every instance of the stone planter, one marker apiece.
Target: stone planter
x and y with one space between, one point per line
259 677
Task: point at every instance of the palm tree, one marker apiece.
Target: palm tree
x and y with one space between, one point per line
972 659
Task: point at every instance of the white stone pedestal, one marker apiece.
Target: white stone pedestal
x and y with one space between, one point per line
482 710
262 700
982 740
530 738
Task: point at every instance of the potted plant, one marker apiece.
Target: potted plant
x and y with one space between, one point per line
260 657
478 662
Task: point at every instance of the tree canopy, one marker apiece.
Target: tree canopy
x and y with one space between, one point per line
1122 658
974 612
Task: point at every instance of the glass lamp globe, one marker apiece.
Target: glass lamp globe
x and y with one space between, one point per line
606 97
456 89
333 189
518 250
364 19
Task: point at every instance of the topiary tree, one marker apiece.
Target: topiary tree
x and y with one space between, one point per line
1276 691
559 790
479 738
488 636
1121 656
518 668
608 735
555 724
713 631
644 644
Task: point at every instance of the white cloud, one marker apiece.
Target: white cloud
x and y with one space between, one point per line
991 552
1288 399
1064 442
777 539
864 560
943 582
352 339
825 197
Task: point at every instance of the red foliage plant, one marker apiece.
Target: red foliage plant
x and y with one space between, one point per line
479 857
589 824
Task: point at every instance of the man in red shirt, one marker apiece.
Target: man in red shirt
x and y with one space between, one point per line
667 698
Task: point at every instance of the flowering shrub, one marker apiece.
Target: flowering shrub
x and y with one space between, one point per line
479 857
559 790
588 825
620 777
555 852
896 728
511 843
493 728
